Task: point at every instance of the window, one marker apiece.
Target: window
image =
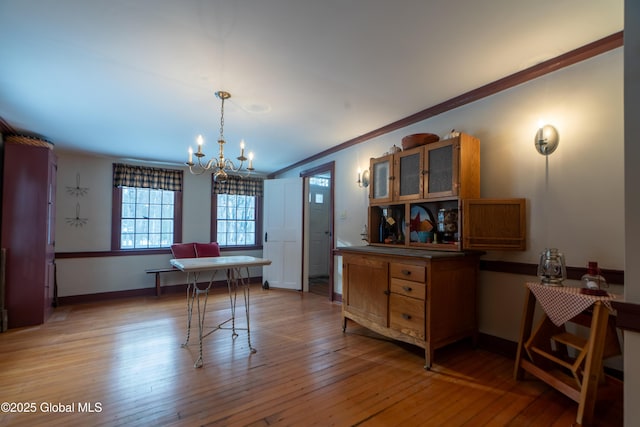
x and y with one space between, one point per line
319 181
147 208
236 220
147 218
236 212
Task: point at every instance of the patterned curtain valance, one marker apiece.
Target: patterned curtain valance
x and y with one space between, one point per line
146 177
239 186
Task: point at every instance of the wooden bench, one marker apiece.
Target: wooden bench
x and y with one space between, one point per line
157 272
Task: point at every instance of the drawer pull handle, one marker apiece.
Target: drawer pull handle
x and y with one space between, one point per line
406 316
407 288
406 272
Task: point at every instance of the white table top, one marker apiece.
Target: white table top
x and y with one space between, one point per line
215 263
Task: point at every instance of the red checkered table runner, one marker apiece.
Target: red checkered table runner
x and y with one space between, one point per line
562 303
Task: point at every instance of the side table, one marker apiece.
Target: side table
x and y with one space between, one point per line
544 353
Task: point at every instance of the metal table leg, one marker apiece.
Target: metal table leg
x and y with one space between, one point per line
193 295
235 279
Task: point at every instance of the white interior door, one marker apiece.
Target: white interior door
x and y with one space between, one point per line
282 227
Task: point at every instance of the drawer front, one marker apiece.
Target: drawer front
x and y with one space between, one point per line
415 273
408 288
406 315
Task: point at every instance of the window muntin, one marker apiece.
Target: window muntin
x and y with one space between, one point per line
147 218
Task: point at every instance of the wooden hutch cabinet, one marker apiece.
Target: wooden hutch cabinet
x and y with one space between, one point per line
416 279
425 298
28 229
437 179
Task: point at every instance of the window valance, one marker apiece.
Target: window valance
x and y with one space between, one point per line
146 177
240 186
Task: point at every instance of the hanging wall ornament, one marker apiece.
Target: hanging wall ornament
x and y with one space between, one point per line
77 190
77 221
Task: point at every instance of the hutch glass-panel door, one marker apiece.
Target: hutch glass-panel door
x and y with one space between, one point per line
382 174
409 171
441 166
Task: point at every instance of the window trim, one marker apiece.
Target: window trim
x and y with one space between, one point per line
214 225
116 221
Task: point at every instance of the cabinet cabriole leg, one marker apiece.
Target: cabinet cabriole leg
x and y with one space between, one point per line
428 357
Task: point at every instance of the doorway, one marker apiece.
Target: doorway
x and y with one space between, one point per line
318 236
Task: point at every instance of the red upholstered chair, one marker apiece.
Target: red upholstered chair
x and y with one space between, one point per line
204 250
183 250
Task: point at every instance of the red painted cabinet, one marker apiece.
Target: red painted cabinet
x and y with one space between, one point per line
28 231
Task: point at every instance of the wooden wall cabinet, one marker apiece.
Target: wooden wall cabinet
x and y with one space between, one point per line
448 168
415 184
419 297
28 231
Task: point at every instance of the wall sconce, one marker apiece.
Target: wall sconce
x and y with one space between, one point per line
363 178
546 140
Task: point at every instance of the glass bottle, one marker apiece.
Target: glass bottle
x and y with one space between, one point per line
399 229
593 279
382 229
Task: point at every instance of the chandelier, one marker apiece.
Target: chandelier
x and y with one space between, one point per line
221 165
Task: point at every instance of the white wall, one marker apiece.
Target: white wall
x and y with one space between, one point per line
81 276
575 202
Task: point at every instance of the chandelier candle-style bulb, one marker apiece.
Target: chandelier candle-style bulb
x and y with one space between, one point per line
200 141
190 162
241 158
250 167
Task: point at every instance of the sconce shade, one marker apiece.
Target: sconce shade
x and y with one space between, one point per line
546 140
363 179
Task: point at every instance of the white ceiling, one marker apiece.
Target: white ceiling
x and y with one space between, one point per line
136 78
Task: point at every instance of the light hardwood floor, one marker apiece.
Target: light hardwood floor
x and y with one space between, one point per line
123 359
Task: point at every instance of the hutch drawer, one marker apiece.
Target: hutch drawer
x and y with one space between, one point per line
411 272
406 315
408 288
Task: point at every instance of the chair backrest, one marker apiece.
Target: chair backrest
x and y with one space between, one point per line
207 249
183 250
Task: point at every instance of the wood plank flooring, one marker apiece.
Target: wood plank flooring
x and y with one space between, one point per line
123 360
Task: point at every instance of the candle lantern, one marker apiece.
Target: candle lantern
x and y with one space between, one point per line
552 269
